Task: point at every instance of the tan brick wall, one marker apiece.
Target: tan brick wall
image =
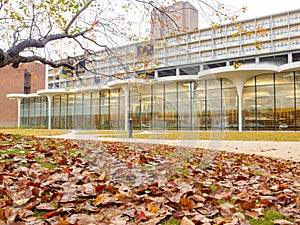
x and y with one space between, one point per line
12 81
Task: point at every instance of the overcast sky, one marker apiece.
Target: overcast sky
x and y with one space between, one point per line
257 8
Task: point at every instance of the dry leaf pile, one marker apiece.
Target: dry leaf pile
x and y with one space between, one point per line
67 182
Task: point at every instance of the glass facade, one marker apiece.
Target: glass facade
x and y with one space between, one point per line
270 102
33 112
191 105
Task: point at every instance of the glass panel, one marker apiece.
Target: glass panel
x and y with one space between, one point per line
96 110
199 106
37 112
265 107
184 105
64 108
214 120
78 111
87 116
284 78
56 112
171 87
249 109
199 113
158 120
171 110
250 82
44 112
297 100
297 76
104 110
227 83
200 85
285 107
214 105
31 112
70 114
230 107
135 109
122 111
264 80
114 109
183 87
158 88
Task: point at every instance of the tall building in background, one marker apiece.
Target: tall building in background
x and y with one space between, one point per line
180 17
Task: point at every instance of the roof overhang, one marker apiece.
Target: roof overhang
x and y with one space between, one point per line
290 67
53 92
125 82
248 70
16 96
171 79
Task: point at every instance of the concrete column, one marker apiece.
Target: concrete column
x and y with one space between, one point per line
49 98
177 71
257 60
290 58
155 74
240 118
201 67
126 109
19 112
239 82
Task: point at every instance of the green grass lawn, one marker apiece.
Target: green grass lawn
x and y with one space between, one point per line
169 135
34 132
186 135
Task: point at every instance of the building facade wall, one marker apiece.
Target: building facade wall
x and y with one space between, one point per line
269 102
12 81
270 39
193 87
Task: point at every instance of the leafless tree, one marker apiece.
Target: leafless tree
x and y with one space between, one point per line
45 30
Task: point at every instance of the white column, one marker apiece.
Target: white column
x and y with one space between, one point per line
290 58
19 112
257 60
239 82
201 67
155 74
177 71
240 118
126 96
49 97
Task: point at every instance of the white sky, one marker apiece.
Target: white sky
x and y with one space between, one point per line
257 8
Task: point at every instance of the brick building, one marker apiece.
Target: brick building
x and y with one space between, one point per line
29 78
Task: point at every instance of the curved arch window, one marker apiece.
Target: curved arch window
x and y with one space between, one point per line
191 105
270 102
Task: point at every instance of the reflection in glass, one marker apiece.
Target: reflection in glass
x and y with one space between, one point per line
274 98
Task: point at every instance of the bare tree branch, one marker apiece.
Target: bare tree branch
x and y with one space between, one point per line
30 29
75 17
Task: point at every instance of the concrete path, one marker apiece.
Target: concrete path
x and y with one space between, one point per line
285 150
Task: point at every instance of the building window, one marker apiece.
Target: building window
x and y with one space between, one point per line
27 82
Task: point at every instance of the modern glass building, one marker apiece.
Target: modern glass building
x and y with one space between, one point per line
187 82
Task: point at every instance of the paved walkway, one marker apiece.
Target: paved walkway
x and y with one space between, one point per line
285 150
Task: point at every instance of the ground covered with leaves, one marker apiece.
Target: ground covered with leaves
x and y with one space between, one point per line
68 182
